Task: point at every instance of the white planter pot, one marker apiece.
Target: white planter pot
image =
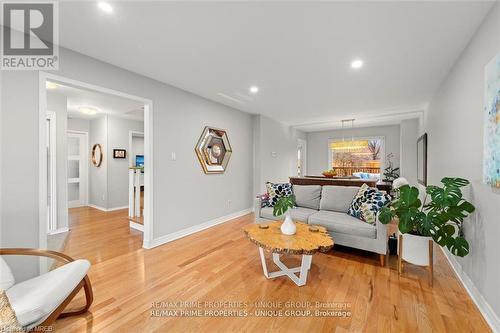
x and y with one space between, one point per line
288 226
415 249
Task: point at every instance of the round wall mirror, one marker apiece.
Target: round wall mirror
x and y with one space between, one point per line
97 155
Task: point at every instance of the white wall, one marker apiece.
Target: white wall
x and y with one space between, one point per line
77 124
454 123
58 103
183 195
19 139
317 144
275 150
409 137
118 138
98 176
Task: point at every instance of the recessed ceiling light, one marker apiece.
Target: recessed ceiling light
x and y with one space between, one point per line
87 110
357 63
105 7
50 85
254 89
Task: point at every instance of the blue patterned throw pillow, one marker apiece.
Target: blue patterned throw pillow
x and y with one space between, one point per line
367 202
276 191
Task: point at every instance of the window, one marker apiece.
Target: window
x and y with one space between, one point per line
360 158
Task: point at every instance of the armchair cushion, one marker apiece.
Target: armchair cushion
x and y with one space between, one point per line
34 300
6 277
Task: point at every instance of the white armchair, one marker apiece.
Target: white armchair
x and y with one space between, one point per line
41 300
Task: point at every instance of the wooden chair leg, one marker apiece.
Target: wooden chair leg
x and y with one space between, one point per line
400 254
382 259
85 283
89 298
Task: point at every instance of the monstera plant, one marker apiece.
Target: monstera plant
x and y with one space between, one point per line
441 217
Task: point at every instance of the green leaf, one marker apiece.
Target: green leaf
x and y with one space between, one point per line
407 220
428 223
386 215
454 182
408 196
443 235
283 204
459 246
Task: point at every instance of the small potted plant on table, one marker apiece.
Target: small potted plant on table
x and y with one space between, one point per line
281 207
440 220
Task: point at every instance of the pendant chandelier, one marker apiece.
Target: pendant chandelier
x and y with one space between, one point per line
352 145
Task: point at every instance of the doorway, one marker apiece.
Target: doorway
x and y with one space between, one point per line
78 158
301 157
77 175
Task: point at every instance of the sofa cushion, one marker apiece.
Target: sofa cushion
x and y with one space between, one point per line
337 198
298 214
6 278
307 196
35 299
367 202
276 191
343 223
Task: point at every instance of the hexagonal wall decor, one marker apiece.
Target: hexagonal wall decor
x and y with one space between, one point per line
213 150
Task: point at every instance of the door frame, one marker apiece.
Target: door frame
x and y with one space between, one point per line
42 156
86 159
52 225
303 144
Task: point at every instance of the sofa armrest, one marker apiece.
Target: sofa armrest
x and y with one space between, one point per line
257 205
382 236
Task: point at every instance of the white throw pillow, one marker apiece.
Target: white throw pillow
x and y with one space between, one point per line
6 277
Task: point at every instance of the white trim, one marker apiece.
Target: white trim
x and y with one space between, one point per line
194 229
59 231
107 209
148 152
489 315
136 226
52 224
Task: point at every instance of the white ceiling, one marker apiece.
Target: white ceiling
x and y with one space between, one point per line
298 53
105 103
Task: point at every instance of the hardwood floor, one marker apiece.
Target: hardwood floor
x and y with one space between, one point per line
220 264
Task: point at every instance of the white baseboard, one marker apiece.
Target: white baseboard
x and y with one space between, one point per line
106 209
136 226
58 231
489 315
191 230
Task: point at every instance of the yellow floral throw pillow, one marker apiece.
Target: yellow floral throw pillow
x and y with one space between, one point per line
8 320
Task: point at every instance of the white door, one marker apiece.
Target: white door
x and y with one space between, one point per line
77 169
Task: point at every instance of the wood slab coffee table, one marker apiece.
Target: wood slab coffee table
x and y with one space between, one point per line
307 241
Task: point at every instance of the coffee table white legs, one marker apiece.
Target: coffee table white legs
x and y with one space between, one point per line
303 269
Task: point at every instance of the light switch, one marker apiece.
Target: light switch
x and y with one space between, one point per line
173 156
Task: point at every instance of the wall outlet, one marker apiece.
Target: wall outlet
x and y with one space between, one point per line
274 154
229 203
103 197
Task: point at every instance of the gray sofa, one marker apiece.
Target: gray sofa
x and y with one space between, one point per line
327 206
